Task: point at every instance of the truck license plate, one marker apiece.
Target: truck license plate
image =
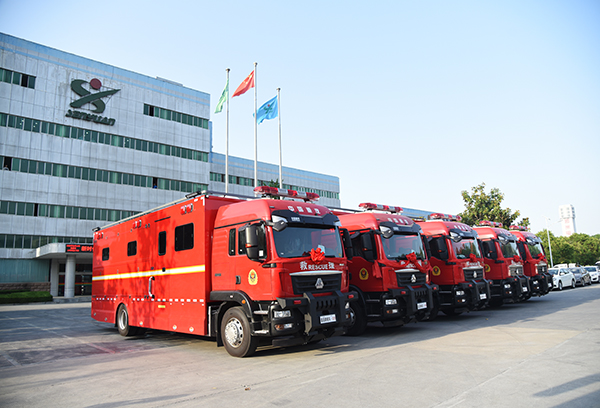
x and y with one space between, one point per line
525 289
482 296
327 319
421 305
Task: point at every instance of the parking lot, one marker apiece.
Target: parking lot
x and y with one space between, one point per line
541 353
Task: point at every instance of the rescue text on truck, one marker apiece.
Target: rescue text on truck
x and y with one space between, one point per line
389 268
503 265
243 270
457 265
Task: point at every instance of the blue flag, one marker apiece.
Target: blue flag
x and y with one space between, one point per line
267 111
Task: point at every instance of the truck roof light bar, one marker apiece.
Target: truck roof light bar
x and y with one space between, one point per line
445 217
380 207
282 192
517 228
490 223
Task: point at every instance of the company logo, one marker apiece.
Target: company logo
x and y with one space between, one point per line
413 278
474 275
363 274
436 271
252 277
319 285
91 98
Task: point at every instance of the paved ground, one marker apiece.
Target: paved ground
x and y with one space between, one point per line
543 353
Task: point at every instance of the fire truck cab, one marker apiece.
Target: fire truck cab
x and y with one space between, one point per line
389 268
503 265
535 264
239 269
457 265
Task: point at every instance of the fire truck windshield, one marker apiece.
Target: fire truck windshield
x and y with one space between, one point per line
465 247
295 242
535 249
509 249
398 246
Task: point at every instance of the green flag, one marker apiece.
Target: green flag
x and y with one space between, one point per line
224 96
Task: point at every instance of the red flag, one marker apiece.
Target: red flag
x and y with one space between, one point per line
245 85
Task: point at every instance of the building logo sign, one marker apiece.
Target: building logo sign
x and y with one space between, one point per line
91 98
76 248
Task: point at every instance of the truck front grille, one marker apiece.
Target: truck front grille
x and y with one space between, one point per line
410 278
473 274
311 283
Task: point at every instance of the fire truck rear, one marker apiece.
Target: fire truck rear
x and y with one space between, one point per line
457 265
503 265
389 268
242 270
535 264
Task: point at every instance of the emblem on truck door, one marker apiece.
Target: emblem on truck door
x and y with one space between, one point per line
319 284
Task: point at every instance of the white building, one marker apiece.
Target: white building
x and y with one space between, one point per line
567 219
84 143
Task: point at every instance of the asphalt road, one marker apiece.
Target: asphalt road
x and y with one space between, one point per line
541 353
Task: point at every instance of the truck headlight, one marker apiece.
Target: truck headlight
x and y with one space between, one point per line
390 302
460 293
281 314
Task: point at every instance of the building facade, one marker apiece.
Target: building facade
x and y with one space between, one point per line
84 144
567 219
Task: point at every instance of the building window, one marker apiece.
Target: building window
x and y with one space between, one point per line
167 114
17 78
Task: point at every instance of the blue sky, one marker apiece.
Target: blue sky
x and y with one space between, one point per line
407 102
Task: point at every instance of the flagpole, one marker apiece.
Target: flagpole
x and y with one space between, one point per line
279 120
255 130
227 138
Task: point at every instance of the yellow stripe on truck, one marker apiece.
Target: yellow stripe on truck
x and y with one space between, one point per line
146 274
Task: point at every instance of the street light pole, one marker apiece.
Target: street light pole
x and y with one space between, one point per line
549 244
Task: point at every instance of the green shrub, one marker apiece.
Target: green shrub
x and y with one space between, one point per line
24 297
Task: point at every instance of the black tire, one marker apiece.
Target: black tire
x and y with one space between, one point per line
235 333
573 284
560 285
358 318
123 322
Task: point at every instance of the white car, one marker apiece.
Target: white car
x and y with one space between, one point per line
561 278
594 274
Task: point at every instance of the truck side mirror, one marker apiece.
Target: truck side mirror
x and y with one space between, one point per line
251 242
367 247
438 248
347 244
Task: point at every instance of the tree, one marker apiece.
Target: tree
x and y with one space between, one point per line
482 206
581 249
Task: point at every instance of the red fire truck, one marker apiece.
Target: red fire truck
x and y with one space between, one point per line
457 265
535 264
389 268
503 265
238 269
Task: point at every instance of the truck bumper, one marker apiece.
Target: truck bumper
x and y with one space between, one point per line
479 293
311 318
418 301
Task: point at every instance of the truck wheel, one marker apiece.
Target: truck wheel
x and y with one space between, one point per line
235 332
358 319
123 322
